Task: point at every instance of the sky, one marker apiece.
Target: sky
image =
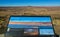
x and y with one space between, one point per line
29 2
30 19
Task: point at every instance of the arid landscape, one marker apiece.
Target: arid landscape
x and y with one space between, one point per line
54 12
30 10
32 23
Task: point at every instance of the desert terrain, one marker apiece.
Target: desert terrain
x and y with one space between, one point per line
54 12
30 11
32 23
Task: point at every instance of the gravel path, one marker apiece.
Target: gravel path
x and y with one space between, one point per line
1 35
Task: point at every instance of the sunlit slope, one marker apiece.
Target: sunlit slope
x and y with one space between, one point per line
56 23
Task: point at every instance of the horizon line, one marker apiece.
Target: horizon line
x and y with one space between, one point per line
29 6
